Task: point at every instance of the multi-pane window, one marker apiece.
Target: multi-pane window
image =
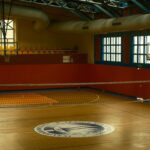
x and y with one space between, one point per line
112 49
10 34
141 49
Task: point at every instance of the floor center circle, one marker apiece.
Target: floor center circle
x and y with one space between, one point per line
74 129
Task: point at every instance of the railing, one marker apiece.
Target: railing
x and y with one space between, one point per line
8 48
34 52
54 51
8 52
12 48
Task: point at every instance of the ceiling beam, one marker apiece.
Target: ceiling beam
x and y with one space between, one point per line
75 11
140 5
103 10
61 4
52 3
81 15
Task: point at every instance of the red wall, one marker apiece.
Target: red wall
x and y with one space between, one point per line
65 73
100 73
40 73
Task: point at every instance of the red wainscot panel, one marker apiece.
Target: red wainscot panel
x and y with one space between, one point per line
100 73
40 73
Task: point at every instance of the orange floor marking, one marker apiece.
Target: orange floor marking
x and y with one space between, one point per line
25 99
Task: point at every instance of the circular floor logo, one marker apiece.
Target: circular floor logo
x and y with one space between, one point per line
74 129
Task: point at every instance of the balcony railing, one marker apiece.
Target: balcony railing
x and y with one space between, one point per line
34 52
11 48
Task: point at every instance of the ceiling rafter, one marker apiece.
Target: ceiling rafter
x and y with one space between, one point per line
79 7
102 9
63 4
116 3
90 9
140 5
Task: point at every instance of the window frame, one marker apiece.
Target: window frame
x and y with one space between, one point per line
133 34
110 48
13 39
111 35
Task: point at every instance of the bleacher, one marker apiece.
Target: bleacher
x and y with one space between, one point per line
50 56
12 50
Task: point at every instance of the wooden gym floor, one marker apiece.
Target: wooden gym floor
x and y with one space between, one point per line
130 119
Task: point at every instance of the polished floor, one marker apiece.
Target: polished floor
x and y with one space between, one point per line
130 119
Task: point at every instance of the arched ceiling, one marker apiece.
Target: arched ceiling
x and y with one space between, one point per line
87 9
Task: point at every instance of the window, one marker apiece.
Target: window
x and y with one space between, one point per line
10 35
141 49
111 49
